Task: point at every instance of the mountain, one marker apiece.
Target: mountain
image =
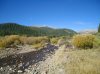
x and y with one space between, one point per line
17 29
88 31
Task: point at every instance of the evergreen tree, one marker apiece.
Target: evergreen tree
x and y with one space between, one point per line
17 29
99 28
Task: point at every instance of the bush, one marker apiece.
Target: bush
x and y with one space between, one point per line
40 42
39 46
83 41
40 39
9 40
33 40
54 40
28 40
23 40
15 40
97 42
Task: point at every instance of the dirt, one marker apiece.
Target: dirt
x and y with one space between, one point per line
24 60
53 64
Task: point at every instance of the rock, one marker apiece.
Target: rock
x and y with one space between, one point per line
20 71
10 68
1 69
35 72
20 65
27 64
26 70
44 72
13 70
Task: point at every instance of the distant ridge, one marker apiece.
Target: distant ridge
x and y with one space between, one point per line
17 29
88 31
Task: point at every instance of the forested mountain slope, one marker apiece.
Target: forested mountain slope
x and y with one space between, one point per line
17 29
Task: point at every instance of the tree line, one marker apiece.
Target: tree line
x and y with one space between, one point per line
17 29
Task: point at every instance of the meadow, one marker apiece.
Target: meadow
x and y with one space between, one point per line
79 54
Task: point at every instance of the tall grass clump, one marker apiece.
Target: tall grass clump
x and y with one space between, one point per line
9 40
83 41
97 42
54 40
40 42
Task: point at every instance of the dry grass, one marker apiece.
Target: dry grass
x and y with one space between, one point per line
76 62
83 41
83 62
39 46
37 42
54 40
9 40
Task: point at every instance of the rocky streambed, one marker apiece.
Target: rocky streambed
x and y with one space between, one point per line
24 59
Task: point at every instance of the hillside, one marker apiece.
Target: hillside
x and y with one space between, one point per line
89 31
17 29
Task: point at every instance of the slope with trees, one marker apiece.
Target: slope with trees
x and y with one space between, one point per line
17 29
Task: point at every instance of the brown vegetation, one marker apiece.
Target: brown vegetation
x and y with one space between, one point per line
83 41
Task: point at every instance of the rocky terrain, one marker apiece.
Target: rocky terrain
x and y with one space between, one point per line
51 59
23 59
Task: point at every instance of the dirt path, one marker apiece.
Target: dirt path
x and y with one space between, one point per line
18 63
52 64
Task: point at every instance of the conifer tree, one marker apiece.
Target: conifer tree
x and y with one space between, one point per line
99 28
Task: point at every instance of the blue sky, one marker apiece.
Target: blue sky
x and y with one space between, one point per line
73 14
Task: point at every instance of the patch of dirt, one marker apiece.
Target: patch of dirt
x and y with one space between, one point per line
52 64
23 60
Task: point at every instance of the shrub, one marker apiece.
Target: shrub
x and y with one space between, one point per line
2 43
39 46
29 40
9 40
40 39
83 41
33 40
40 42
54 40
15 40
62 42
23 40
97 42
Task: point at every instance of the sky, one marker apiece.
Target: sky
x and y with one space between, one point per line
72 14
